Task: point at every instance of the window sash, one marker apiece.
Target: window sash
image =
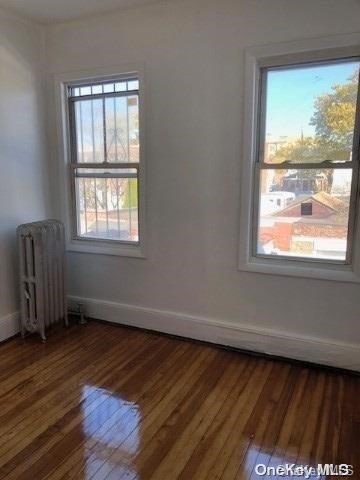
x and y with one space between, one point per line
261 120
73 126
76 207
260 164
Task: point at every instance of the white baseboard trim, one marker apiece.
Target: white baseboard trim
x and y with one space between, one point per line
310 349
9 325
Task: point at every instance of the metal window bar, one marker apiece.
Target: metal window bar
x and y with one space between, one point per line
85 205
104 129
115 131
125 81
93 129
130 208
81 132
96 207
117 207
127 130
106 205
352 164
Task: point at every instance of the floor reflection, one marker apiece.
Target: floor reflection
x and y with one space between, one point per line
112 432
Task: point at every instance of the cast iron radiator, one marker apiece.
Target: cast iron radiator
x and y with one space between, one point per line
42 275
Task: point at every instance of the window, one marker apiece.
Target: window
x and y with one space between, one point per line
300 174
104 131
308 112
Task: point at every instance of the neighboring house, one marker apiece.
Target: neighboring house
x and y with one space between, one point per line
296 182
275 201
315 224
299 184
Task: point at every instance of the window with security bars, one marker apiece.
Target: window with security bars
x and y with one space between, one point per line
306 173
105 159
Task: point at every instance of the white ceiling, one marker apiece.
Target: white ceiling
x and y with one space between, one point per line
51 11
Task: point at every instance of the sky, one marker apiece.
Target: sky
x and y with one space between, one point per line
291 94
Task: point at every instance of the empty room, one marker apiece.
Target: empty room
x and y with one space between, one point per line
179 239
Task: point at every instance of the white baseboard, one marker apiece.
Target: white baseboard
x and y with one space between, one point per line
310 349
9 325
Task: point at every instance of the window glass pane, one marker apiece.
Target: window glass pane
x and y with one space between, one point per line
304 213
107 208
310 112
85 91
116 130
108 87
122 129
120 87
133 112
89 130
96 89
133 85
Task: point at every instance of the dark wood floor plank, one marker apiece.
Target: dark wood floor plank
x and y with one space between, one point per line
26 381
243 456
277 406
300 425
134 384
213 440
48 397
117 431
291 415
72 435
104 402
125 416
242 411
54 413
33 352
157 424
311 433
196 428
67 416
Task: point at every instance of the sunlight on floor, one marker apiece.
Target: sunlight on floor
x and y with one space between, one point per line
111 429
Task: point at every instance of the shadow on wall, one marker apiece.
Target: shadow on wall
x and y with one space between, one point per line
24 192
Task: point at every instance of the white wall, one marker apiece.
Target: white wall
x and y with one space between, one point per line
23 159
193 56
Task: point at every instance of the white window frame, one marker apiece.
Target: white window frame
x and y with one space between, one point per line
73 242
292 53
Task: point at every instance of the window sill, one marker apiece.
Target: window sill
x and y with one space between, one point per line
105 248
332 272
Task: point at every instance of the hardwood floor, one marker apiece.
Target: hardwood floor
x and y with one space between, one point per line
101 401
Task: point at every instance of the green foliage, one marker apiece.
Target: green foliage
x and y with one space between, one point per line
131 194
335 113
333 120
311 149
